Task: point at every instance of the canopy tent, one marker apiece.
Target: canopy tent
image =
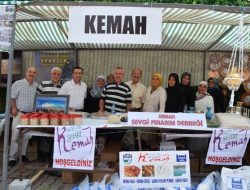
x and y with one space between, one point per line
44 25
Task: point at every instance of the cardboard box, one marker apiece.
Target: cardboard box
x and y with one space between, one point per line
194 163
99 173
109 157
72 177
99 177
205 168
111 151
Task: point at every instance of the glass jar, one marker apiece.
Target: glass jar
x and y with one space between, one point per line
77 119
44 119
65 119
34 119
25 119
54 119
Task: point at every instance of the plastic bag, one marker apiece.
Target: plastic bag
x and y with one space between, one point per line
235 179
211 182
157 188
83 185
113 184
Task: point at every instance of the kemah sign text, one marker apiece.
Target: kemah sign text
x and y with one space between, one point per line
227 146
74 147
131 25
101 24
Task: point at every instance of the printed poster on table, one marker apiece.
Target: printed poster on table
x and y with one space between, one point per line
117 25
227 146
74 147
6 26
155 169
167 120
45 61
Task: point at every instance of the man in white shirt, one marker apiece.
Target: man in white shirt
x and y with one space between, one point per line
138 90
76 89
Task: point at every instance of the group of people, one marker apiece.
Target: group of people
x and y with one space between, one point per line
179 96
112 94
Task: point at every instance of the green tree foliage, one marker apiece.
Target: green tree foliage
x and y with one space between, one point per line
205 2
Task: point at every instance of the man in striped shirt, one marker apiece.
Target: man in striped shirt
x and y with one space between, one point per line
48 87
117 94
52 86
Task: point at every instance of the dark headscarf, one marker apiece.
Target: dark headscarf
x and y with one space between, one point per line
175 96
186 74
189 92
216 93
176 77
215 80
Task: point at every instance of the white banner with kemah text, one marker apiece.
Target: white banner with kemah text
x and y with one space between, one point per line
115 25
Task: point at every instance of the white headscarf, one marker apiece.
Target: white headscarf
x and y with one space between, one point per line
200 96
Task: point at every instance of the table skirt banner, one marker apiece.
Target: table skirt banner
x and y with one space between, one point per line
74 147
167 120
155 169
227 146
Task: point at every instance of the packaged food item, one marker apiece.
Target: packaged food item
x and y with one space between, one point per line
65 119
34 119
77 119
44 119
114 119
25 119
54 119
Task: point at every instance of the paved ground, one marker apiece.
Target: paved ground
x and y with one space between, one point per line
44 182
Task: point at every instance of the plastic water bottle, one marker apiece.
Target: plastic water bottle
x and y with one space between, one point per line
113 109
209 113
185 109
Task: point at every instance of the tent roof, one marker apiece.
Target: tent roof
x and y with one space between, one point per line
184 27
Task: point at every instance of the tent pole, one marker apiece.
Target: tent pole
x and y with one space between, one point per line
7 109
0 67
76 57
204 65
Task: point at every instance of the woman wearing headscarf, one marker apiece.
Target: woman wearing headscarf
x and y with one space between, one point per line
216 93
155 96
93 96
155 100
189 92
203 99
175 100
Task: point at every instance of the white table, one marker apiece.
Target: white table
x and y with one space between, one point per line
38 130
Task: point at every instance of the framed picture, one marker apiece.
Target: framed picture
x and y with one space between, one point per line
51 103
